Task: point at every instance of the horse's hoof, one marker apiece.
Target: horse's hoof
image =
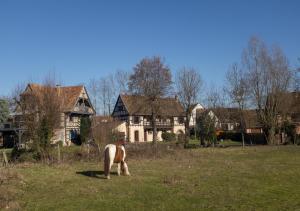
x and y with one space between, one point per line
108 177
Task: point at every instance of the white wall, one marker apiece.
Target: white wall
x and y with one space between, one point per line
192 122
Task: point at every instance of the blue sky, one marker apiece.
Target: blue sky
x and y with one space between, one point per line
79 40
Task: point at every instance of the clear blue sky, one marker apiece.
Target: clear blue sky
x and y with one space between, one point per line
83 39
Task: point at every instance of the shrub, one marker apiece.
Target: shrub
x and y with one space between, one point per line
23 155
166 136
85 129
180 138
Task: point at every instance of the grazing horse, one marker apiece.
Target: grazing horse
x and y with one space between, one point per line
115 153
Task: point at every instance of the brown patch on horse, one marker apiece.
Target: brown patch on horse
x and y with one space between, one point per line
119 154
106 162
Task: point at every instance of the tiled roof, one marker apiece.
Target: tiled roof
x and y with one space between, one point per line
251 119
140 105
67 94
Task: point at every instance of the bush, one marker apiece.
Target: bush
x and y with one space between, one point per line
166 136
22 155
180 138
85 129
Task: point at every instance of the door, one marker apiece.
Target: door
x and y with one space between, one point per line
136 136
145 135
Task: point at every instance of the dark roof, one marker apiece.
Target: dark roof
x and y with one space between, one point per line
251 119
231 115
292 105
295 105
295 118
227 115
140 105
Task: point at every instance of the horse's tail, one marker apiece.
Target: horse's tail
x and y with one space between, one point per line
106 161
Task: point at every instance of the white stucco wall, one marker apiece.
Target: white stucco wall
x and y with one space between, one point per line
193 118
132 129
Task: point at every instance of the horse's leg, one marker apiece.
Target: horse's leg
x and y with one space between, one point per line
119 169
107 165
125 167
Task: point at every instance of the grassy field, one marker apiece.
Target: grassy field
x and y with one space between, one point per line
254 178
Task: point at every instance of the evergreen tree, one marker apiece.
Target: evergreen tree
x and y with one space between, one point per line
85 128
4 110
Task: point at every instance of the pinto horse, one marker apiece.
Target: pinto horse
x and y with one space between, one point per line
115 153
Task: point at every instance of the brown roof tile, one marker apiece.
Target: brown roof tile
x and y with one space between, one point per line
140 105
68 94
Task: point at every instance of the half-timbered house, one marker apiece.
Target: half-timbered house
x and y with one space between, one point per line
74 103
135 111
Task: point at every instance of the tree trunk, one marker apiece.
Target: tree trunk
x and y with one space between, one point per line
271 136
243 139
187 128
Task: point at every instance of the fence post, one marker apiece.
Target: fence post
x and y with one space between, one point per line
5 160
99 151
88 150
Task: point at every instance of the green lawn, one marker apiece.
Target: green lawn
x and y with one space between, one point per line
254 178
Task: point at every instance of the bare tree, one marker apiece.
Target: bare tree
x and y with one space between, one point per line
297 78
104 91
237 89
188 84
215 97
121 81
269 78
107 94
93 87
40 112
103 86
111 93
153 79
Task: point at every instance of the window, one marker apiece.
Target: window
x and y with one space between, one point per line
136 120
180 120
120 108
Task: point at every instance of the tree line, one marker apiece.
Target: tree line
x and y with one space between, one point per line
258 81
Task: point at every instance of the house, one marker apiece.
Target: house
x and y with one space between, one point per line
252 125
106 128
229 120
193 118
135 111
7 133
74 104
294 111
